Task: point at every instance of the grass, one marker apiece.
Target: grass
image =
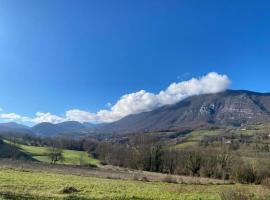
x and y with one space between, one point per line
195 137
70 157
186 144
16 184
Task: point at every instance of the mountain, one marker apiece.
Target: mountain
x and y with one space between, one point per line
229 108
12 127
49 129
89 125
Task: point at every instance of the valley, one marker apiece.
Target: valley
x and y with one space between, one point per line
127 181
134 100
206 158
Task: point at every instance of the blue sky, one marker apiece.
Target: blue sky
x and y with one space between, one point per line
59 55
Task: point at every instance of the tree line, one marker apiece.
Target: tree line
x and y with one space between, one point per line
221 162
212 158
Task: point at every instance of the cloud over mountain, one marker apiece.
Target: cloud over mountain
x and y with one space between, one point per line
136 102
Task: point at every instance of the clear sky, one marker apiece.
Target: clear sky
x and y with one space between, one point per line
60 55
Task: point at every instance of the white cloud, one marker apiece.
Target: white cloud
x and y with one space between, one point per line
142 101
145 101
1 109
47 117
39 117
80 115
137 102
109 104
14 117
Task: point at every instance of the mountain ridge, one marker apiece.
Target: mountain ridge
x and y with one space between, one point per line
228 108
50 129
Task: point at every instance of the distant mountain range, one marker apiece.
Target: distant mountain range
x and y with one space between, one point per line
47 129
229 108
12 127
50 129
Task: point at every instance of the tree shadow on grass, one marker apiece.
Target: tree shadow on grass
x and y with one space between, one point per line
11 151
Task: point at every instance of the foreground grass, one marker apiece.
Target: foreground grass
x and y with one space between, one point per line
43 185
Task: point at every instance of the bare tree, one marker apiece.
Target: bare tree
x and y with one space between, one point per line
224 159
193 162
55 152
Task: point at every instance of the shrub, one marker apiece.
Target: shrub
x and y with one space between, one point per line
262 172
245 174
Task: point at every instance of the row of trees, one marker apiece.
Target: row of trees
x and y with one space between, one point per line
206 161
210 163
213 158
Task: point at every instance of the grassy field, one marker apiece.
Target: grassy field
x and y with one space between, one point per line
15 184
195 137
70 157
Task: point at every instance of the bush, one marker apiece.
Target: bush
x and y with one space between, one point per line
246 174
262 172
261 176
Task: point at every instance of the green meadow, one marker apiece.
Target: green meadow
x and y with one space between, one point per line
70 157
16 184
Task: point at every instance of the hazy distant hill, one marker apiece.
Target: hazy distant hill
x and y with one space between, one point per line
49 129
12 127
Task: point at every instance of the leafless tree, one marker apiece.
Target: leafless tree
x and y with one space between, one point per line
55 152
